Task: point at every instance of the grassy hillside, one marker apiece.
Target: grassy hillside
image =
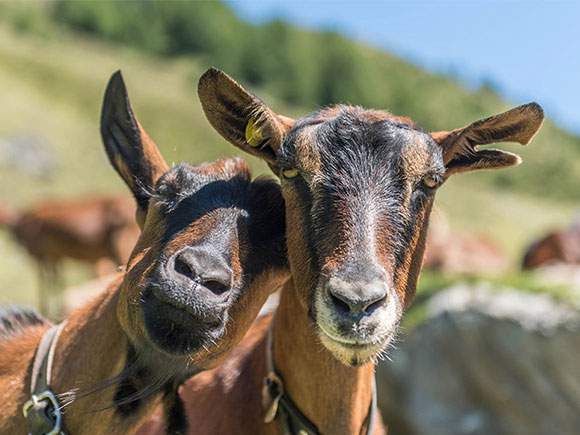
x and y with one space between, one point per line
307 69
53 88
51 85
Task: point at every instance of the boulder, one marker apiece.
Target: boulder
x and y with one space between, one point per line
486 361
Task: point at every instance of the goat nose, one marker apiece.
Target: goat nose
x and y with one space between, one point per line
201 266
357 297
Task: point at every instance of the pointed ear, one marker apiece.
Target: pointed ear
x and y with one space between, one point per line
240 117
460 146
131 151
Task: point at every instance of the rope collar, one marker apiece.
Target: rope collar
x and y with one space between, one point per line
43 411
278 403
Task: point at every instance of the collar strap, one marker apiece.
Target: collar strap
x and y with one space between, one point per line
278 403
43 411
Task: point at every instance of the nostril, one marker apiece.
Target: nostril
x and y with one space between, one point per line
184 268
216 287
375 305
340 304
357 299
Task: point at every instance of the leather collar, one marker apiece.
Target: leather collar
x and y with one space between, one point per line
43 411
279 405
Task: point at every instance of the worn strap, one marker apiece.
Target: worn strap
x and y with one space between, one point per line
42 411
292 420
373 409
42 367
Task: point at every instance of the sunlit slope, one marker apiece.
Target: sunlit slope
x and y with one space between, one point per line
52 87
308 68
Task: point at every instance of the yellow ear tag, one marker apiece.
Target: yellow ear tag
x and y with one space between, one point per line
290 173
253 134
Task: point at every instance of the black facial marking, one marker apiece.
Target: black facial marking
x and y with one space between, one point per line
126 389
247 222
267 228
130 386
175 417
187 195
173 329
362 166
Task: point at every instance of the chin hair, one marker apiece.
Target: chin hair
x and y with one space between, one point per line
349 357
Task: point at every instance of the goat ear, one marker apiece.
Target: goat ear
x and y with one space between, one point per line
240 117
131 151
460 152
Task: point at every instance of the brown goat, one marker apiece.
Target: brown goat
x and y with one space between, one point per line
88 230
211 250
560 246
358 188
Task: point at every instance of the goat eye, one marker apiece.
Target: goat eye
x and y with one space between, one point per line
432 181
290 173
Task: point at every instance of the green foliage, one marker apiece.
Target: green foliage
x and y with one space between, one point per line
431 283
26 19
310 69
135 23
160 27
304 68
53 86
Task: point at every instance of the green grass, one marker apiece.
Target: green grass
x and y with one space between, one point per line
52 86
432 283
305 67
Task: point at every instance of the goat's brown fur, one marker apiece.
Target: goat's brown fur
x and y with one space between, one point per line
331 383
114 361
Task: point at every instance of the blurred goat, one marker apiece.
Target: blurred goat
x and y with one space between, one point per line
559 246
89 230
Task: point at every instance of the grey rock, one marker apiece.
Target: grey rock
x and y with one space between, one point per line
486 362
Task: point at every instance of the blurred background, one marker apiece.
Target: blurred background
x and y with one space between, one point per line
445 64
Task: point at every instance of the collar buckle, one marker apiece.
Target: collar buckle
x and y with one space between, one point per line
43 412
44 407
272 392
